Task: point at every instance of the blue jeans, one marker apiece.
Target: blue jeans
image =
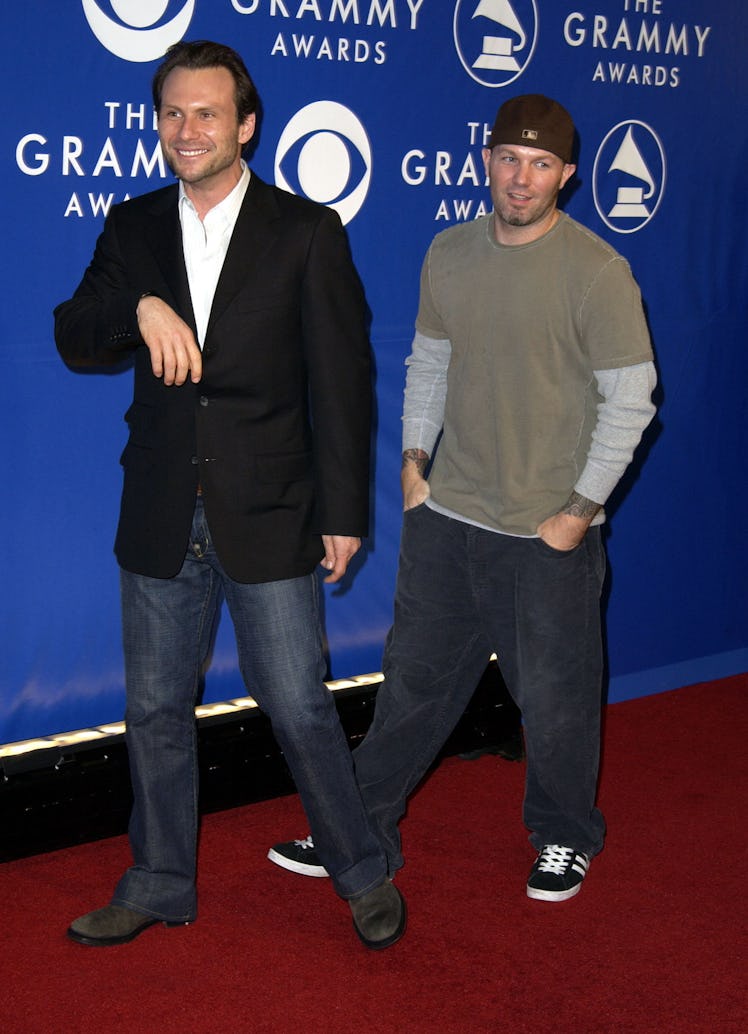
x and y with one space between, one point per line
167 629
462 594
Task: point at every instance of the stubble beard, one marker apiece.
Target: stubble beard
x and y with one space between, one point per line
511 217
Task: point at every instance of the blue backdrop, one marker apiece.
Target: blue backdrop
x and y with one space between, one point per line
380 107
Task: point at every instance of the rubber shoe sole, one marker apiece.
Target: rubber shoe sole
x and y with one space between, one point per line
553 895
112 925
294 865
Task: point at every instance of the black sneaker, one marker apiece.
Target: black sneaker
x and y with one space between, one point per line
557 873
298 856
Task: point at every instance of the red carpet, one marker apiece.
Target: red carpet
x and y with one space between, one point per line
656 941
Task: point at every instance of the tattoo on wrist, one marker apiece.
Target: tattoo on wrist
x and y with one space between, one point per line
417 456
579 506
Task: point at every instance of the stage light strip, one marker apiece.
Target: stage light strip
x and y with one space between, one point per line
65 740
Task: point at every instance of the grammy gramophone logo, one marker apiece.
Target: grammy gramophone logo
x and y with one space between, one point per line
628 177
495 39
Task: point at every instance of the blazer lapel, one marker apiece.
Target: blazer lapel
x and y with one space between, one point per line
164 238
252 237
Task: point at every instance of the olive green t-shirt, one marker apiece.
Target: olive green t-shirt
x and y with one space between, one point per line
528 325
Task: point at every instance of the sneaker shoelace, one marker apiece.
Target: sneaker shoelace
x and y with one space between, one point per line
555 859
306 844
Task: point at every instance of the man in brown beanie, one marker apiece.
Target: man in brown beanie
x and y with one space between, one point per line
532 360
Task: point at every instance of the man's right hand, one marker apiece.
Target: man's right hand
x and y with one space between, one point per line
415 487
174 352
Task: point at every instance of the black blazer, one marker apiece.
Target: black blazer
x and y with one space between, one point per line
277 431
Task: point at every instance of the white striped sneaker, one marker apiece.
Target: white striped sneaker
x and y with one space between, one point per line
557 873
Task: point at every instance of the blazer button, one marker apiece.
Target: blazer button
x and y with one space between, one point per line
194 461
203 400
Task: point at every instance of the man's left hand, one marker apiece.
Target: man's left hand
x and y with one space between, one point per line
339 551
562 531
566 529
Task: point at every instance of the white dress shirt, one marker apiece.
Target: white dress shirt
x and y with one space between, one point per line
205 243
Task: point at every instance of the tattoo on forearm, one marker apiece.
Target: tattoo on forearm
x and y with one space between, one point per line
417 456
579 506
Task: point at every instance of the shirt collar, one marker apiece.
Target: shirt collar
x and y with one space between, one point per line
228 209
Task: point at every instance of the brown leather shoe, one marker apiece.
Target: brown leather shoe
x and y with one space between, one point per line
379 917
111 925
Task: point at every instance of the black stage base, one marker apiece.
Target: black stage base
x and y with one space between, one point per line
54 798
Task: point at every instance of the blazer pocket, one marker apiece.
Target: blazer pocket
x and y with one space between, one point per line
140 420
137 458
271 484
282 467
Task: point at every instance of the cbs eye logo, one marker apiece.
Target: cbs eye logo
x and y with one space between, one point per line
324 154
138 31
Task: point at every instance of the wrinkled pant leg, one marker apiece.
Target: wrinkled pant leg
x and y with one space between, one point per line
280 644
167 628
552 664
434 657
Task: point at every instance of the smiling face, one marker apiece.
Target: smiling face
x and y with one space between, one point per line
525 183
200 132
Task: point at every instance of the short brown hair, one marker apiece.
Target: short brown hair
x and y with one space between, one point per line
205 54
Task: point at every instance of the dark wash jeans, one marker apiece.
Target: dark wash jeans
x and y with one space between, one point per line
462 594
167 626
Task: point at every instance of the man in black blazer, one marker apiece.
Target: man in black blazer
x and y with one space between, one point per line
246 466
